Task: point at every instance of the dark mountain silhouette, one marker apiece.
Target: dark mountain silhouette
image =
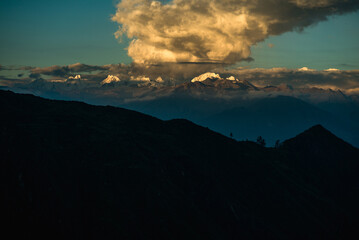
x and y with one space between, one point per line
330 169
277 117
76 171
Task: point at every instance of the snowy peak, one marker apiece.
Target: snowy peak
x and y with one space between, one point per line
159 80
213 80
77 77
212 76
110 79
205 76
141 78
231 78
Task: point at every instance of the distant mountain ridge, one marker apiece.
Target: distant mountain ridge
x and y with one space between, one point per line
205 98
157 85
274 117
72 170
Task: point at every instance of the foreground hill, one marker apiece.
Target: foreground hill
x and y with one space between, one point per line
72 170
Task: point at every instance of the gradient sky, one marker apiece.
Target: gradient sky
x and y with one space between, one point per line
43 33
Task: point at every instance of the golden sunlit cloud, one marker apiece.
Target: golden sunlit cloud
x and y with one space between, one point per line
217 31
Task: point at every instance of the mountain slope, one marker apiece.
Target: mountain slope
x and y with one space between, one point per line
72 170
275 118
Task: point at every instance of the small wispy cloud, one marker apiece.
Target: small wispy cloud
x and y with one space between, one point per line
302 77
64 71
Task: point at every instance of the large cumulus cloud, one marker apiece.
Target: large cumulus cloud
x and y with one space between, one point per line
214 30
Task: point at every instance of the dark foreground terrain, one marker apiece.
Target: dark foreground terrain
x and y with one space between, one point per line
69 170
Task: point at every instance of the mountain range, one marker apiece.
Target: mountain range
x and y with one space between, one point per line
73 170
224 104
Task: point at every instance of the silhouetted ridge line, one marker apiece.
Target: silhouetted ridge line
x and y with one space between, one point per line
316 136
72 170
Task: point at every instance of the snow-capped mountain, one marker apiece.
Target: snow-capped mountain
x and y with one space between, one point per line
110 79
231 78
159 80
215 81
75 77
206 76
205 86
140 79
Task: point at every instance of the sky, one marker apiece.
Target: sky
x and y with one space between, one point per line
42 33
329 44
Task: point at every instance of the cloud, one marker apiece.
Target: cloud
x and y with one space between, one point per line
217 31
303 77
347 65
353 91
180 72
64 71
10 82
312 4
34 75
15 68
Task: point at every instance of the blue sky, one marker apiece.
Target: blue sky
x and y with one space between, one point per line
329 44
43 33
